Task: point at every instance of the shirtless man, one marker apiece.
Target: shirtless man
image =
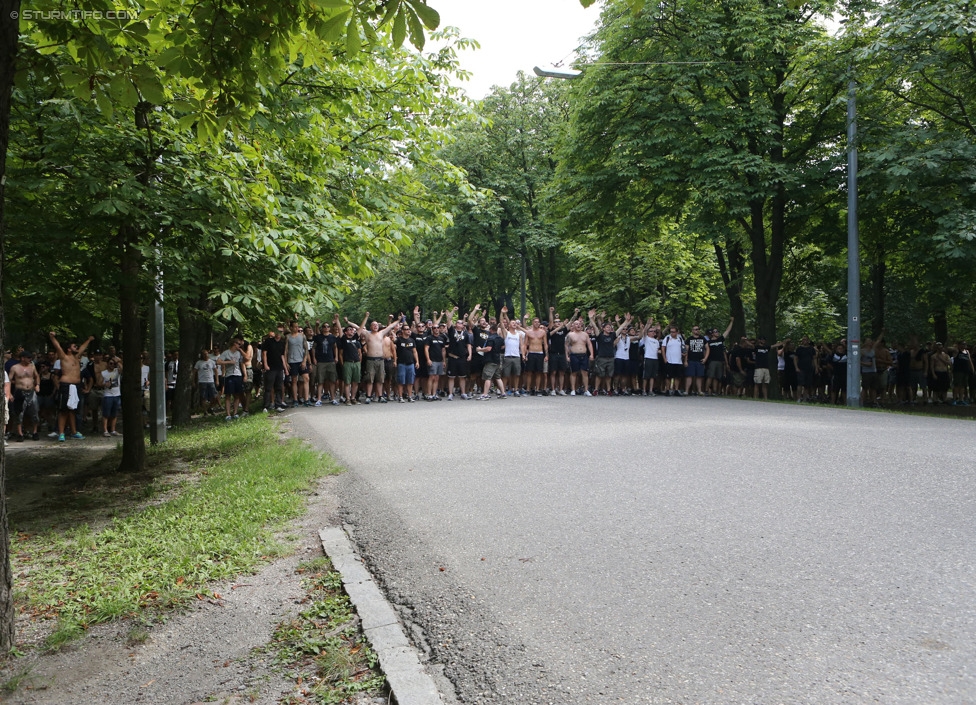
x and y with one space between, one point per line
374 372
70 360
26 383
535 361
580 351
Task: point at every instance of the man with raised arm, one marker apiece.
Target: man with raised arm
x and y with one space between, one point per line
459 352
580 351
515 350
716 360
374 373
69 389
606 349
537 342
651 344
558 360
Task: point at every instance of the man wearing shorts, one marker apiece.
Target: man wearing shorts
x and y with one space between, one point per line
69 388
674 369
324 358
231 361
492 351
651 344
514 352
435 360
580 353
350 357
405 352
558 359
458 356
374 373
26 383
695 350
297 356
537 342
273 362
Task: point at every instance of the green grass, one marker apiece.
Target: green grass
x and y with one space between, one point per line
250 484
322 650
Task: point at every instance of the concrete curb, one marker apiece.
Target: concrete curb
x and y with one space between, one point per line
410 683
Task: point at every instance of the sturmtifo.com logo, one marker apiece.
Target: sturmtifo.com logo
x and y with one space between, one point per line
74 15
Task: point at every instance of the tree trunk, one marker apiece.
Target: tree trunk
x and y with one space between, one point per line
9 32
133 437
731 264
189 347
941 326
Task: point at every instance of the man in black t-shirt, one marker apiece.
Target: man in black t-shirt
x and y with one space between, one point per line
492 350
421 339
350 350
324 359
405 349
694 360
434 353
458 358
558 359
273 367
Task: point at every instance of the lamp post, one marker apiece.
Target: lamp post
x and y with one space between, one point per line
853 258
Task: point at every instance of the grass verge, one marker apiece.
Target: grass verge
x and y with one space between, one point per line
323 650
250 484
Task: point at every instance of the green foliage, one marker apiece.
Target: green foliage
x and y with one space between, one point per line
250 484
712 114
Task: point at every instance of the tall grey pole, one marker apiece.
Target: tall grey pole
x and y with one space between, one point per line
157 367
523 283
853 258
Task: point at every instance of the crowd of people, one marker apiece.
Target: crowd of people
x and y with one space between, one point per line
448 357
451 357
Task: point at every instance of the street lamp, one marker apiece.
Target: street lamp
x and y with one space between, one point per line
853 258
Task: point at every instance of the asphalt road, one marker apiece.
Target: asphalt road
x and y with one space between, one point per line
696 550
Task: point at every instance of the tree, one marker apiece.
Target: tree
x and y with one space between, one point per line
920 151
716 113
219 58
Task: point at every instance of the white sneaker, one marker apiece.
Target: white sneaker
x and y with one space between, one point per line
572 393
450 397
587 393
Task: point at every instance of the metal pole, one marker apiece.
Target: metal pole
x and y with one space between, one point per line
523 284
853 258
157 367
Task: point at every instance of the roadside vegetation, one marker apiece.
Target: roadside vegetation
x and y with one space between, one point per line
240 484
322 650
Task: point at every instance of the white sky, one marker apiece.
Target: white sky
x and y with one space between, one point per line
515 35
